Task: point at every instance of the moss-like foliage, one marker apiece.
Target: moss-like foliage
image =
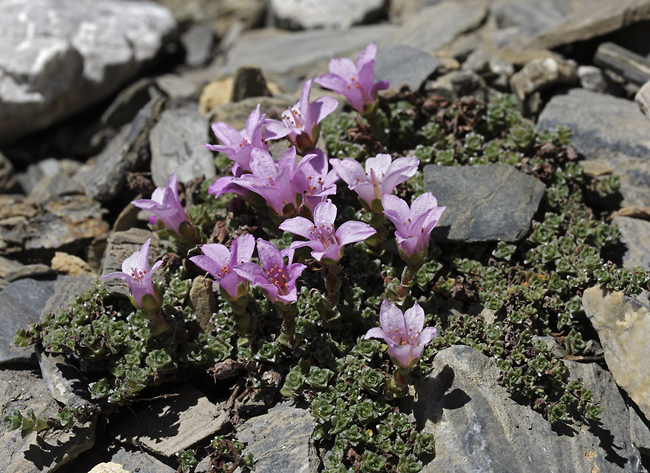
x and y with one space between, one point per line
530 293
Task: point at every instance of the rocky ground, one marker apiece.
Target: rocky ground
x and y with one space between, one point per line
92 94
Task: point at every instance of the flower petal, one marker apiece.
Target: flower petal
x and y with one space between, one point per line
400 170
401 354
349 170
331 81
299 226
352 232
391 320
343 67
241 249
227 134
376 332
269 255
322 107
325 214
427 335
414 320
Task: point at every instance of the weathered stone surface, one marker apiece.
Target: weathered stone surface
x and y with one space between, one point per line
66 288
105 176
72 54
530 16
173 424
642 98
44 169
634 236
198 42
128 103
7 266
28 271
594 79
249 82
21 303
311 14
541 74
121 245
267 48
204 302
280 440
108 467
64 263
62 223
479 201
631 66
436 26
23 390
7 175
405 65
54 186
177 146
609 130
478 427
457 84
593 19
63 381
623 324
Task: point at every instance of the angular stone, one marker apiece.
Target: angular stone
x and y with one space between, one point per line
591 20
28 271
105 176
64 382
249 82
128 103
313 14
7 175
609 130
478 427
64 263
634 236
623 324
177 146
173 424
23 390
121 245
198 42
267 48
54 186
66 288
204 302
436 26
642 98
530 16
72 55
458 84
541 74
67 223
631 66
108 467
594 79
405 65
484 203
21 304
280 440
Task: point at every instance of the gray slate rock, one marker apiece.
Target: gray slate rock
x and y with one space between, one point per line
105 176
541 74
66 223
7 175
72 55
64 382
456 84
591 20
634 235
478 427
313 14
479 201
121 245
594 79
23 390
631 66
177 146
280 440
267 48
405 65
608 130
642 98
172 424
623 324
198 42
28 271
21 303
436 26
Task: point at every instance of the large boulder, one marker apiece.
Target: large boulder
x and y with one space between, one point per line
59 57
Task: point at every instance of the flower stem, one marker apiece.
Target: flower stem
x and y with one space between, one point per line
333 285
376 241
406 283
288 314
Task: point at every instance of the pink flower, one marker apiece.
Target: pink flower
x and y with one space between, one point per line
300 122
380 177
326 242
220 262
313 180
355 82
413 225
237 145
403 333
135 272
166 205
276 278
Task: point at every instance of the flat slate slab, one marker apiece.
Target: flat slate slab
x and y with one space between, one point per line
484 203
404 65
608 130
